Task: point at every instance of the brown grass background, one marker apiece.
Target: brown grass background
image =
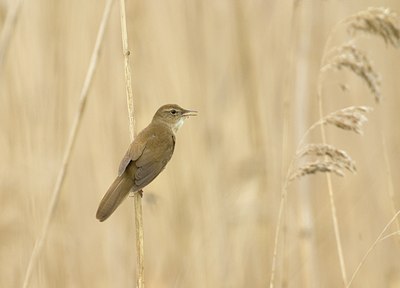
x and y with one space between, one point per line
247 67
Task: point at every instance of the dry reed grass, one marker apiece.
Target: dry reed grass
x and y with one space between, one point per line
348 56
131 113
331 160
350 118
380 238
210 216
8 28
376 21
39 242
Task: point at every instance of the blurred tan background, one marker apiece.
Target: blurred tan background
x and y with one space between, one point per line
210 217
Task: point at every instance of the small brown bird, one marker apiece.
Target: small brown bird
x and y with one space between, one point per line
146 157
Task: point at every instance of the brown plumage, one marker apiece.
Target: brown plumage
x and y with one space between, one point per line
146 157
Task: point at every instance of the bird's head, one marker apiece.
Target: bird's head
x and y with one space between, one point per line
173 115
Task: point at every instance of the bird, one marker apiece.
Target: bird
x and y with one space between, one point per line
147 156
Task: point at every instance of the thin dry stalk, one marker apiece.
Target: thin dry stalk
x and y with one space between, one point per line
128 75
277 230
285 125
70 145
306 219
340 123
379 239
336 227
373 22
330 190
137 196
383 25
351 118
8 28
389 177
397 233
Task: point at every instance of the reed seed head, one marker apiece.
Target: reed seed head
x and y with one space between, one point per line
348 56
315 167
381 22
351 118
325 150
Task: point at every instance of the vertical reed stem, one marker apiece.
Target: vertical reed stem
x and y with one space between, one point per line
331 196
137 196
8 28
389 178
328 176
70 145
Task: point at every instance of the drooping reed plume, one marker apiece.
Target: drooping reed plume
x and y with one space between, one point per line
325 158
350 57
328 159
377 21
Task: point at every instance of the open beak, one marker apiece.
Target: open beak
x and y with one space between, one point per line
188 113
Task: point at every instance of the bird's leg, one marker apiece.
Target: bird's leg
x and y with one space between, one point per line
131 193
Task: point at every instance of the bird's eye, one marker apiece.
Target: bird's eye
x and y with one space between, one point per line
173 112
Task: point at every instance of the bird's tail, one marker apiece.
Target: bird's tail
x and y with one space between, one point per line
117 192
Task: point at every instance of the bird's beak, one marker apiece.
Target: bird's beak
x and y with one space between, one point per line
188 113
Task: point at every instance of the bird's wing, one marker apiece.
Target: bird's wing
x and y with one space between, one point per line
155 156
134 152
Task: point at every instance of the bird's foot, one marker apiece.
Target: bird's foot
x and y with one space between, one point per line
132 194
